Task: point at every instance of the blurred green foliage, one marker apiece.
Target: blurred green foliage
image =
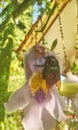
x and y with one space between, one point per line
15 22
12 32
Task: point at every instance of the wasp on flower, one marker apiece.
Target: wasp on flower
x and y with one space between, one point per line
39 98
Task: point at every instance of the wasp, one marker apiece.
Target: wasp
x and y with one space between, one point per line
51 71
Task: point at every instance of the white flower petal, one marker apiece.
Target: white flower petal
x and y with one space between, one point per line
34 59
48 121
54 106
32 116
41 61
27 69
76 101
18 99
72 77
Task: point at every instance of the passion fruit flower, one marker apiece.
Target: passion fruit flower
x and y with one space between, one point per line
42 106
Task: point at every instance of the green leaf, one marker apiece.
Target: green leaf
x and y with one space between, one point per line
53 44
